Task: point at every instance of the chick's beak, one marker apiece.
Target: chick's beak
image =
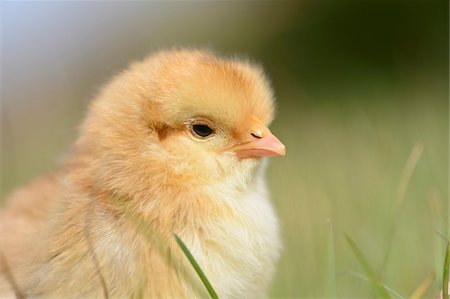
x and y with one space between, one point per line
260 142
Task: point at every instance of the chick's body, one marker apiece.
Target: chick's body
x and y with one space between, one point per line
171 145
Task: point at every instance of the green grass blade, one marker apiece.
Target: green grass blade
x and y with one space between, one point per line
364 278
330 288
437 221
381 290
405 178
157 240
423 287
196 267
445 275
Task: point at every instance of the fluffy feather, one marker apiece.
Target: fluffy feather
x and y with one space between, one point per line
103 223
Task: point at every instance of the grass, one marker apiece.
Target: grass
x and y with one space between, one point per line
405 178
445 275
370 273
423 287
331 265
377 168
196 267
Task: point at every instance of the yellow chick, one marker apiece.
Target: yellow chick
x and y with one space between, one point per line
172 145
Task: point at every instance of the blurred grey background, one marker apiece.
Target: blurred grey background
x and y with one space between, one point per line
359 84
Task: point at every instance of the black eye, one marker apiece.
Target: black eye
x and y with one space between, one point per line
202 130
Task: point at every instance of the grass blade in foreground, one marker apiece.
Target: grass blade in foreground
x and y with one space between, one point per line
445 275
330 285
196 267
369 271
407 173
364 278
423 287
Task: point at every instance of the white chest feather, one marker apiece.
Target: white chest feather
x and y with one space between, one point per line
238 253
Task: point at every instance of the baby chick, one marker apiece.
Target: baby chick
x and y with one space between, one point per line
172 145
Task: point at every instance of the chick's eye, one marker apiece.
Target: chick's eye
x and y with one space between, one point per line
202 130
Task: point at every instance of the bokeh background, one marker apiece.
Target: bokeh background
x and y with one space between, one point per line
362 90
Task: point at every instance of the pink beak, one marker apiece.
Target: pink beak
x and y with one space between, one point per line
262 144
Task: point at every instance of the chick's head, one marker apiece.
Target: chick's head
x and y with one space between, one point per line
180 118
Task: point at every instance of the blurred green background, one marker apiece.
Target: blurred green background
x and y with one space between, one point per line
362 89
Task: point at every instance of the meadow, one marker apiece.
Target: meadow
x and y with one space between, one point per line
374 170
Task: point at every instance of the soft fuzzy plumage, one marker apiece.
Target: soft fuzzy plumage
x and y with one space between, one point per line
104 221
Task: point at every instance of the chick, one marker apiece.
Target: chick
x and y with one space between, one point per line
172 145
